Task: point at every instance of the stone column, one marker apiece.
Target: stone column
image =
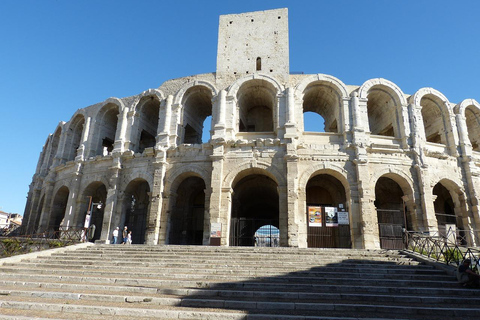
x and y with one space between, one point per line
156 200
120 137
217 208
73 198
290 125
47 204
220 105
164 123
111 203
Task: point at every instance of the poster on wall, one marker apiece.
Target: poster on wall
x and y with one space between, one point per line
216 230
343 217
331 217
314 216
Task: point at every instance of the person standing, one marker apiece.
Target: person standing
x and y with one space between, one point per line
115 236
129 237
125 235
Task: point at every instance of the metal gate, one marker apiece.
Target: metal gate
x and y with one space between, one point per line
242 232
390 227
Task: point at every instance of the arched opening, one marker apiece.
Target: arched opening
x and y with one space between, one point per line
93 195
106 127
74 137
197 106
147 123
472 118
445 209
267 236
136 206
58 209
207 123
327 213
255 204
256 105
313 122
390 213
433 120
323 99
381 110
187 215
54 148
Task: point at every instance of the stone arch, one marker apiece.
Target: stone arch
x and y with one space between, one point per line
324 95
256 99
105 128
145 125
187 218
58 209
336 171
136 208
97 190
259 167
74 131
436 112
322 187
176 175
196 102
403 179
470 110
450 205
179 96
158 94
385 101
255 203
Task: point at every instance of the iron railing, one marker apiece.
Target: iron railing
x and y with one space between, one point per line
447 247
50 238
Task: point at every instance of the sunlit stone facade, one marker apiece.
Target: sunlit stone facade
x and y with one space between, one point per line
387 158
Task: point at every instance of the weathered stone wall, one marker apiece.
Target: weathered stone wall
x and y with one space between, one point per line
106 153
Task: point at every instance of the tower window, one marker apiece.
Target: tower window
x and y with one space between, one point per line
259 64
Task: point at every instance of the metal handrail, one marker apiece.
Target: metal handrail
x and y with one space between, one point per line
441 247
50 238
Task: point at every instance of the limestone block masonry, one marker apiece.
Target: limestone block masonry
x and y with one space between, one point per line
379 162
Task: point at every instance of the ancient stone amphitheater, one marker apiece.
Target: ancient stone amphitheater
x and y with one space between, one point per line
380 162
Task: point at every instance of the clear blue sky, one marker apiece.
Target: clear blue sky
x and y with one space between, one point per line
59 56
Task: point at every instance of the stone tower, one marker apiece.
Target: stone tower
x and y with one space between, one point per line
253 42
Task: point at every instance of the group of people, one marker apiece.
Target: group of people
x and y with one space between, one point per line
126 236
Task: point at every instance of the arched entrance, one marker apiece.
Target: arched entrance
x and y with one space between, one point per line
93 195
58 209
390 213
187 215
327 213
444 206
255 204
136 205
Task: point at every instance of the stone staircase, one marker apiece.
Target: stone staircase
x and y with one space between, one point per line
196 282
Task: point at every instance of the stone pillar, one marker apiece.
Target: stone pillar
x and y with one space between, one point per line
217 207
164 123
47 204
369 218
296 222
120 137
111 203
290 125
83 143
73 199
220 103
156 200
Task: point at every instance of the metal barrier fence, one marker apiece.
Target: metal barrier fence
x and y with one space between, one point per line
51 238
445 246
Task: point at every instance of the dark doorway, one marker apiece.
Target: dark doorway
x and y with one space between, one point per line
390 213
58 209
137 204
187 217
255 204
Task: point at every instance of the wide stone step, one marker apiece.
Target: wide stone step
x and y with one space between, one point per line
177 297
229 309
218 275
